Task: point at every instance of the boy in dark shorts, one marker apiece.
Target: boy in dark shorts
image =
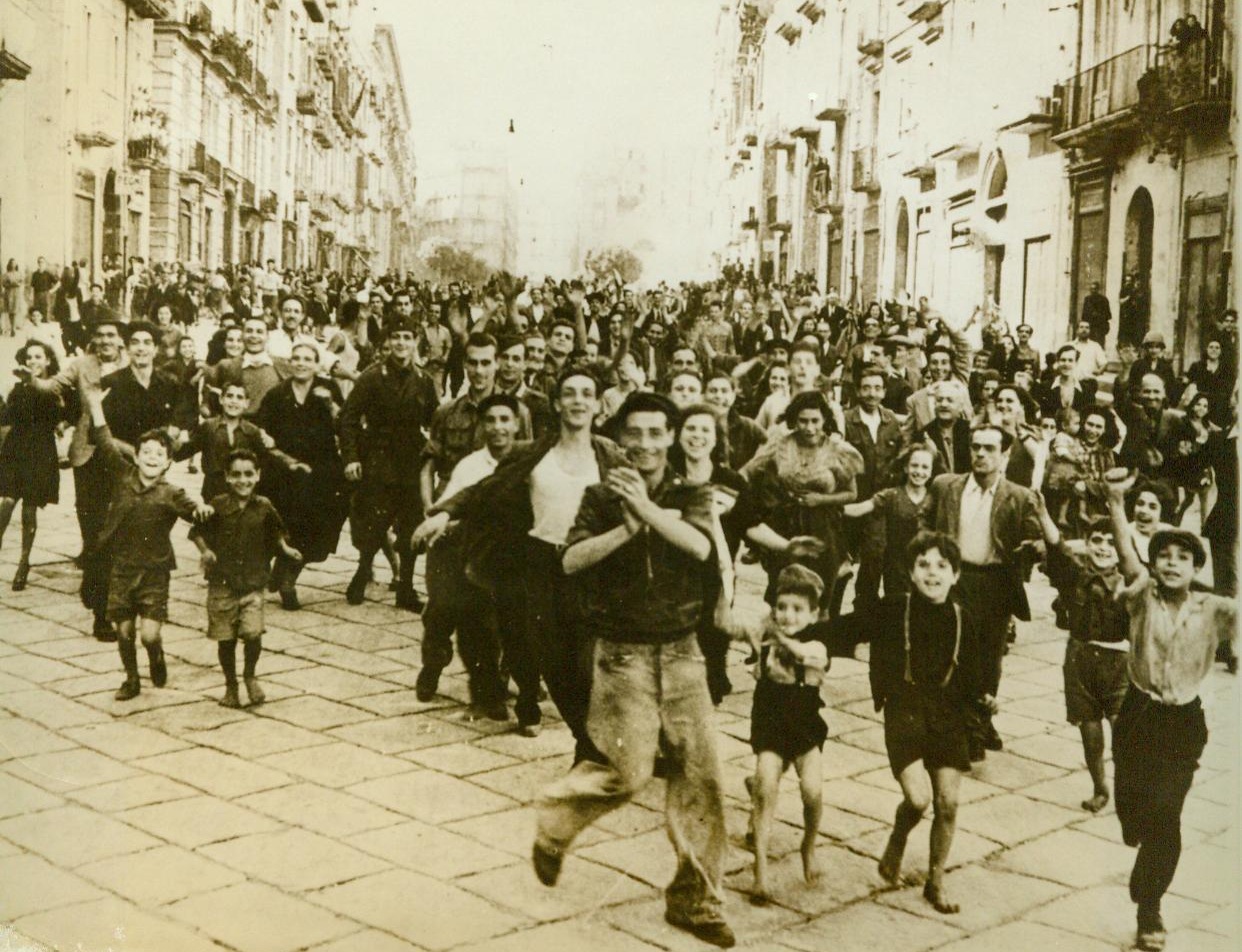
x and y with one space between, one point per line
928 677
1161 731
136 530
237 543
1087 577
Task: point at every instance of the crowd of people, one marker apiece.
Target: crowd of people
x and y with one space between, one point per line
584 466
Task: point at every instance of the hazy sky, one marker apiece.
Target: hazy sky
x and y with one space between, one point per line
575 76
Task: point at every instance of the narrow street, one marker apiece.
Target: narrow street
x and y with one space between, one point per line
343 815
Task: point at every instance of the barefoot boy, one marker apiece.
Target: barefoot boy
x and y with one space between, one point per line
1087 577
928 676
140 517
237 544
1161 732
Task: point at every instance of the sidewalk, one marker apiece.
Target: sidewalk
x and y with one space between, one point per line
344 816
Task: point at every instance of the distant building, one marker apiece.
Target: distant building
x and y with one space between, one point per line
474 208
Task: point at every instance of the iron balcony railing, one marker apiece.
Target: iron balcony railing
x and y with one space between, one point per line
1107 90
1198 72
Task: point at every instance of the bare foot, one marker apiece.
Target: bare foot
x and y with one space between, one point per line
935 894
1096 803
890 862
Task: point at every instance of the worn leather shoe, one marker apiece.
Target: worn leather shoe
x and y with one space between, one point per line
714 932
357 591
547 863
128 690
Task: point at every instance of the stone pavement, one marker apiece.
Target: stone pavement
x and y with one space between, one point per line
344 816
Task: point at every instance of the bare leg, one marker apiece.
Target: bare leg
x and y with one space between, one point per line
916 796
149 632
30 526
1093 746
6 513
768 769
810 769
945 783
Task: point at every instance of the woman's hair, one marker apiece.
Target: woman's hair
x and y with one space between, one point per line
720 452
53 365
1111 437
810 400
1163 495
1197 397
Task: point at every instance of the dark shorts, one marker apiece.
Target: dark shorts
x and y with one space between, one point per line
230 615
920 726
785 719
137 593
1096 681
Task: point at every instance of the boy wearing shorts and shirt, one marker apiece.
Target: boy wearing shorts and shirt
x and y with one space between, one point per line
1161 731
1086 575
237 543
136 530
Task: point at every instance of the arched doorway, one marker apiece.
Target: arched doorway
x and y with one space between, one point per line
1134 304
901 253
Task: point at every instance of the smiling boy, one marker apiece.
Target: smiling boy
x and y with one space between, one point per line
1161 731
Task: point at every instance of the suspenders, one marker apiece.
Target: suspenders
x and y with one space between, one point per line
957 642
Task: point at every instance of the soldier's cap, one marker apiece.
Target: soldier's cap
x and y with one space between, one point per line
799 580
396 322
1183 537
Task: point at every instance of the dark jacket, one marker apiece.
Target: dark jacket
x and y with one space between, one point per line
496 515
878 455
1050 401
132 409
960 456
382 422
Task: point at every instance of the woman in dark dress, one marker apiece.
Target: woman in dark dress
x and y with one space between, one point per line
29 467
299 414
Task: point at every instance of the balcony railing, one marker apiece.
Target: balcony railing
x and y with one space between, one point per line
863 177
1107 91
308 102
1197 73
148 9
146 152
248 194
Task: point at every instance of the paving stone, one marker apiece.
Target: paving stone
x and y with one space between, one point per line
967 847
628 820
1206 873
70 835
66 770
48 708
1106 913
1069 791
394 704
430 850
1069 857
1012 819
123 740
524 782
565 937
187 721
131 792
1048 749
336 764
259 736
332 683
321 809
648 857
396 734
31 884
460 760
1224 921
196 821
22 738
349 659
987 896
161 875
110 924
17 797
368 940
294 860
222 775
862 799
1004 769
513 831
443 915
866 927
230 915
430 796
581 891
313 713
1027 937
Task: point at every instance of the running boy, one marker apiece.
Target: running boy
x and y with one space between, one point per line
1161 732
1087 577
927 672
141 515
237 544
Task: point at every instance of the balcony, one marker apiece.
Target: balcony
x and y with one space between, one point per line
199 18
195 161
834 111
922 12
12 66
248 194
870 46
1196 76
148 9
313 10
95 139
322 132
308 102
811 10
146 152
1102 97
789 32
862 170
1043 113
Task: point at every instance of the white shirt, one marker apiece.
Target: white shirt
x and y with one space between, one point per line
555 496
1091 359
470 469
872 422
974 530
